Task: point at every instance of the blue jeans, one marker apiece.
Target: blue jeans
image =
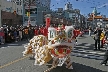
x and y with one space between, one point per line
1 39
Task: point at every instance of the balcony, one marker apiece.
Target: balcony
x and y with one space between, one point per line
98 17
105 19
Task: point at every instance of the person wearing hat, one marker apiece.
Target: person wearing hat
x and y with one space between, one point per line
97 35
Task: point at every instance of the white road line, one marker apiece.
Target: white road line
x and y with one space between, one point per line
86 47
3 47
85 55
87 44
93 52
12 44
94 57
82 51
101 53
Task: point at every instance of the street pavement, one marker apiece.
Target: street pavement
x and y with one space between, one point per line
84 58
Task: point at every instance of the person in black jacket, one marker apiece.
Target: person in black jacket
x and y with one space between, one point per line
104 62
97 33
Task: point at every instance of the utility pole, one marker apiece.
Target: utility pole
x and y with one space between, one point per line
29 13
0 12
23 12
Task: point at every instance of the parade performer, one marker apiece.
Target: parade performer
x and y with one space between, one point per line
102 37
57 46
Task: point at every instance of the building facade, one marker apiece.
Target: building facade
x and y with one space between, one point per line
74 15
95 19
10 13
18 2
36 10
10 6
10 19
68 6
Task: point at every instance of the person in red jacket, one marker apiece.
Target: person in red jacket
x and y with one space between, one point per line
45 31
41 30
75 35
36 31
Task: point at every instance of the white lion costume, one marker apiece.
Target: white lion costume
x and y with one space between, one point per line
57 46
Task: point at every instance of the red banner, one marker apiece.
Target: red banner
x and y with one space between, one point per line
48 22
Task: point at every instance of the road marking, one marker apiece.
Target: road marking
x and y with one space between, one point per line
85 55
10 63
101 53
87 44
12 44
3 47
93 52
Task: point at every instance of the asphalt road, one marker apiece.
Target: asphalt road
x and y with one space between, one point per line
83 57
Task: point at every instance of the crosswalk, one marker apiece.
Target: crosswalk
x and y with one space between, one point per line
85 50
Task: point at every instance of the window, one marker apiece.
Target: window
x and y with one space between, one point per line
17 3
17 9
21 10
32 11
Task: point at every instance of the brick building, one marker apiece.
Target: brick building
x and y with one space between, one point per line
10 19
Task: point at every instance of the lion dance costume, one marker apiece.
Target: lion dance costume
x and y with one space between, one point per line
57 47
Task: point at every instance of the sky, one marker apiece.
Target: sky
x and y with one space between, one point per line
85 6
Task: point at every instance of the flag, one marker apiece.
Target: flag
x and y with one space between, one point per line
47 22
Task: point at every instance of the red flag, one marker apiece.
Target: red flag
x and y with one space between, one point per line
47 22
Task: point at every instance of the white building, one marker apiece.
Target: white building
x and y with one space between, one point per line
68 6
18 2
9 6
45 3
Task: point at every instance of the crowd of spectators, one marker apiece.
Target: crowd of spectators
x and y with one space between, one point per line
19 33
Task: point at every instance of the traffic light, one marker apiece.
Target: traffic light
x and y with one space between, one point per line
14 12
28 14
